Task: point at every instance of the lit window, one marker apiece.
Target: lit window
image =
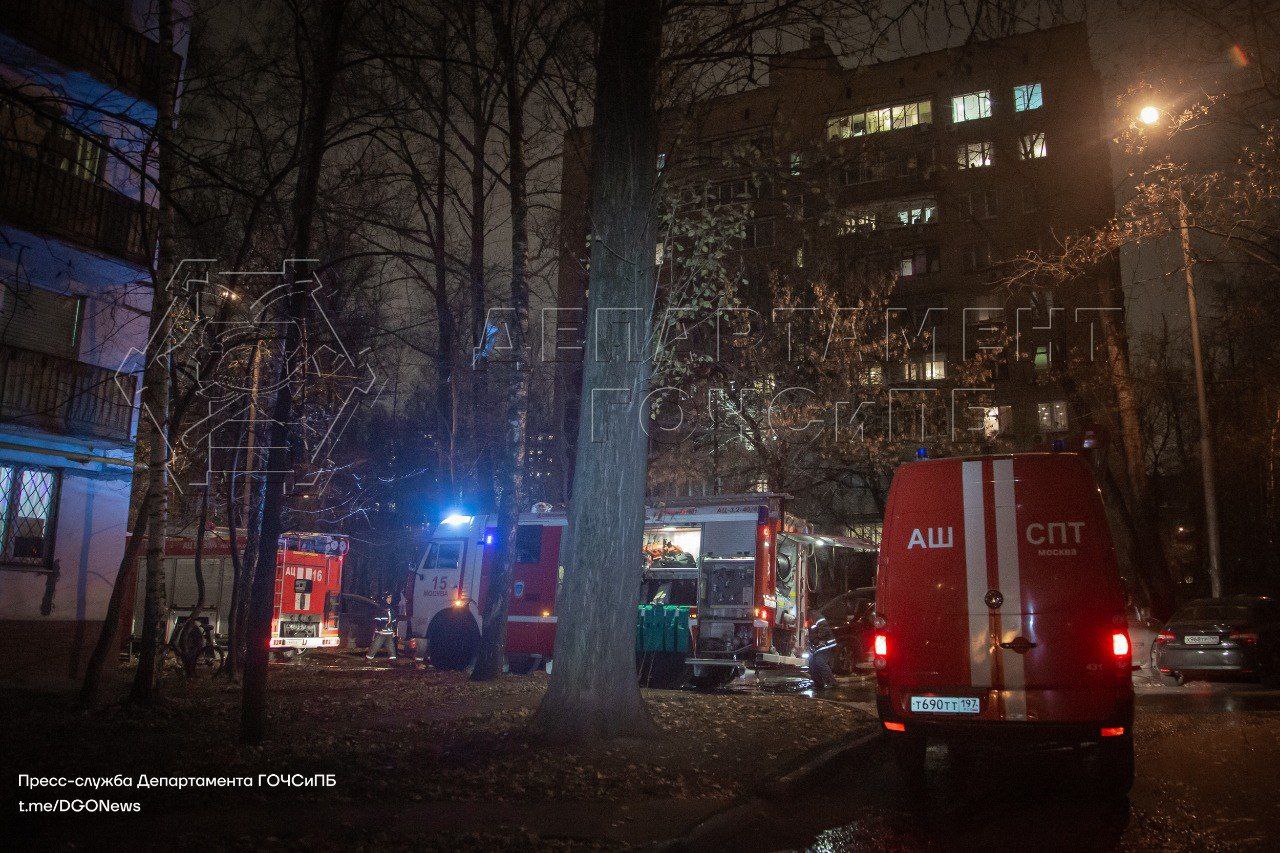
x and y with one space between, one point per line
1042 359
858 222
1031 146
1053 416
918 213
1028 97
994 420
971 106
28 497
973 155
935 368
880 120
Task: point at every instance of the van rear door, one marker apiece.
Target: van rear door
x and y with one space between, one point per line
998 580
939 630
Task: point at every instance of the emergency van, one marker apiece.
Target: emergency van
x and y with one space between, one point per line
1000 611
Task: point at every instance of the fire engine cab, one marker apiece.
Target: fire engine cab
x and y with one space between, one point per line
737 568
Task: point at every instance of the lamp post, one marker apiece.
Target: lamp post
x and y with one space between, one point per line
1150 115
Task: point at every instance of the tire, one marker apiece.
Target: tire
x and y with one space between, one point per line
452 640
1115 765
1171 680
520 664
909 753
716 677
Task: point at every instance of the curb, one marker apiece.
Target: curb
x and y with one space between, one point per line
779 785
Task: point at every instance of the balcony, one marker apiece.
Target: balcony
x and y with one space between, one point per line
84 35
40 196
64 396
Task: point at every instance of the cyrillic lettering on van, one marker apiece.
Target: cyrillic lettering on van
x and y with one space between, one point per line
932 537
1055 533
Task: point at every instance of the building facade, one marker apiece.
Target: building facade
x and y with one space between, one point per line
933 170
78 84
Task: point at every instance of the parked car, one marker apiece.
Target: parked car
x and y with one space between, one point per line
1000 611
849 621
1235 636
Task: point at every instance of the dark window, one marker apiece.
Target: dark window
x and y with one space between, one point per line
528 543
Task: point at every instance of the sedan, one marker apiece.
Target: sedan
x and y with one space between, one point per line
1238 635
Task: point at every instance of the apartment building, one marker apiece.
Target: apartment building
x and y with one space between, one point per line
932 169
78 84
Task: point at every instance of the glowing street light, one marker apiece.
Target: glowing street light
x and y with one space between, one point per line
1149 114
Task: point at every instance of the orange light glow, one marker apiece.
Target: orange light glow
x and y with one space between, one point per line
1113 731
546 613
895 727
459 602
1149 114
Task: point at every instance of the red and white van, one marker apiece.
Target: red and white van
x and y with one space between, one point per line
1000 609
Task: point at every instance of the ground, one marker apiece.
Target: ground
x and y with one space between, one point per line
1208 762
428 760
421 758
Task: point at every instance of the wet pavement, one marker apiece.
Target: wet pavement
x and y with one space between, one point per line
1208 778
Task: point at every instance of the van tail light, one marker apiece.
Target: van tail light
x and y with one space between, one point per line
1112 731
880 648
1120 644
895 727
1246 638
1166 637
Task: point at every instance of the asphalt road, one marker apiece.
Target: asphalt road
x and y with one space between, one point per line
1208 778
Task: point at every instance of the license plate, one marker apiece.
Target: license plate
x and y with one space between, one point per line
945 705
299 629
1199 640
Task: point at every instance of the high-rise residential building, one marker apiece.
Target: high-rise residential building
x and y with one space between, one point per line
78 87
932 170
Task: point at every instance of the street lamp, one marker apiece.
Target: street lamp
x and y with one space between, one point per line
1150 115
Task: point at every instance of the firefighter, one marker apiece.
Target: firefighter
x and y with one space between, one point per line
385 630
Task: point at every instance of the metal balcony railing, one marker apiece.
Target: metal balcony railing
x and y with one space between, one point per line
89 36
64 396
39 195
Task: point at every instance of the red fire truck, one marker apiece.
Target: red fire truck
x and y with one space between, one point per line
739 564
308 590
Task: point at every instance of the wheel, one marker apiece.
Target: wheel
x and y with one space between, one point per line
520 664
452 639
1171 680
1115 764
909 753
715 677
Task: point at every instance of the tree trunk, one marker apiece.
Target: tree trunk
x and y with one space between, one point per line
509 473
155 390
593 690
91 687
325 62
